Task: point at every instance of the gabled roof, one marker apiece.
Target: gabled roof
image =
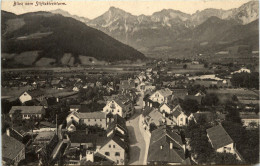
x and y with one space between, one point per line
121 103
169 106
117 122
218 137
147 111
83 137
34 93
90 115
176 113
159 148
28 109
121 143
155 117
102 141
10 147
72 122
165 92
177 110
20 130
47 135
101 160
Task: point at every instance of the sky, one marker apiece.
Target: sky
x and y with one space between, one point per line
92 9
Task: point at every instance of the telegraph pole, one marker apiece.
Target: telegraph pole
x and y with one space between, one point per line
56 124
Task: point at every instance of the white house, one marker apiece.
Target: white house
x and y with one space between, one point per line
88 118
165 108
30 95
179 117
119 107
116 124
221 141
113 107
161 96
114 149
28 112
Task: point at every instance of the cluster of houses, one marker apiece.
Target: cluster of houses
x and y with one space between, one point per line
109 146
101 137
163 117
110 119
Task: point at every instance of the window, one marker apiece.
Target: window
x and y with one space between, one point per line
89 120
117 161
95 120
114 146
107 153
109 146
181 119
100 120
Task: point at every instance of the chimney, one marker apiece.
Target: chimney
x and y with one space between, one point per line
161 147
8 132
171 145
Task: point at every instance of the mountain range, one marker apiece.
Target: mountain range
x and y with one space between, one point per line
174 33
47 39
59 38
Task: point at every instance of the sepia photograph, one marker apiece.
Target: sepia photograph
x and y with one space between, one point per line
129 82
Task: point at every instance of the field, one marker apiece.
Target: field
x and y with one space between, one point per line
14 92
226 94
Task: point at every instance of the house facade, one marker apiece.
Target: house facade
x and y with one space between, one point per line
119 107
30 95
165 108
114 108
28 112
161 96
166 147
88 118
114 150
221 141
13 151
179 118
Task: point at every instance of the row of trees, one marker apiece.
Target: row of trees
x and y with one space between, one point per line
246 80
202 150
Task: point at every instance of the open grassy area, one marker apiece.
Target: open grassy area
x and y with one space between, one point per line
14 92
226 94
